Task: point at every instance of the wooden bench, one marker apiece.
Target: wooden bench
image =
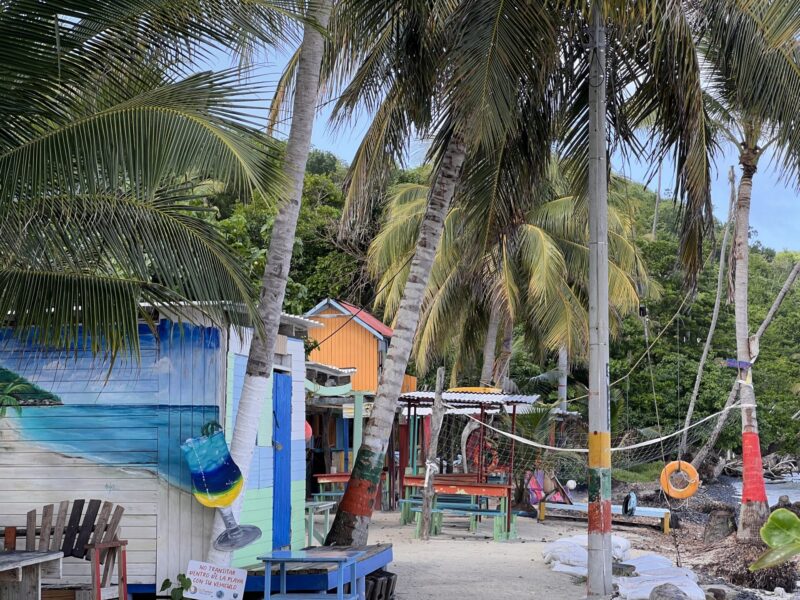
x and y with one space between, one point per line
662 514
93 538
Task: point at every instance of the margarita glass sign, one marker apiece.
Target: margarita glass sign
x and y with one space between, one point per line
216 483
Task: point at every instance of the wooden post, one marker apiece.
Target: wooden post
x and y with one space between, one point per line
436 425
511 469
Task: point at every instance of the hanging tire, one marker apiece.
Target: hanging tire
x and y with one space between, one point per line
679 466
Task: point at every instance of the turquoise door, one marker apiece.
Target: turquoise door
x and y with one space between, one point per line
282 461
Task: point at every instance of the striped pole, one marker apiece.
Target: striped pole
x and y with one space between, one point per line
599 579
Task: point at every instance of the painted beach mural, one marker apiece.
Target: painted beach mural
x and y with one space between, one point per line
71 428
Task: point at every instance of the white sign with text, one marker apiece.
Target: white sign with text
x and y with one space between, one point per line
210 582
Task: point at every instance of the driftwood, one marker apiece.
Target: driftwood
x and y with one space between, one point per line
776 466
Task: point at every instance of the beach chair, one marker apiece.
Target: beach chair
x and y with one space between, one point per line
93 538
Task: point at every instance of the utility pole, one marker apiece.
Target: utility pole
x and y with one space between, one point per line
563 368
433 449
599 579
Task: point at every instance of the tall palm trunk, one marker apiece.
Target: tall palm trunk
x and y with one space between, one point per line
502 366
773 310
658 204
489 346
754 495
714 315
273 285
351 525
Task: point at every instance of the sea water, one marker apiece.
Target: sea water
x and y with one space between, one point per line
788 486
146 437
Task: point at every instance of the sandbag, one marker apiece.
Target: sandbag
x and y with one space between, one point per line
565 552
620 547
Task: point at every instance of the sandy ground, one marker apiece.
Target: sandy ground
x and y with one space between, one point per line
464 566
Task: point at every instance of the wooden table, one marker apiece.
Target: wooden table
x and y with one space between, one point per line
21 573
313 509
319 576
344 560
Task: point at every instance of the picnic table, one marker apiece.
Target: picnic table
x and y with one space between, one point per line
319 576
312 509
331 485
21 573
504 521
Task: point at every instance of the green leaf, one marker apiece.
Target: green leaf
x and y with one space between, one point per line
176 594
776 556
782 528
166 585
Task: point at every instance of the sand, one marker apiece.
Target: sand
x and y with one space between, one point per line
465 566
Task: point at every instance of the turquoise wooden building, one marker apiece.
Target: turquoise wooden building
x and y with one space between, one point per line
84 431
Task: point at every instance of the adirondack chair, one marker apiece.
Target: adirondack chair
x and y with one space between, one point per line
94 539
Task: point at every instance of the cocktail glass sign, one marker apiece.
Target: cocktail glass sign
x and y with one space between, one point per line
210 582
216 483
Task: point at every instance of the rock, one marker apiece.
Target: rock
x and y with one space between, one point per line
783 502
622 569
718 593
709 596
746 595
667 591
721 523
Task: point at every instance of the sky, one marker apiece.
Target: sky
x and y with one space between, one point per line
775 208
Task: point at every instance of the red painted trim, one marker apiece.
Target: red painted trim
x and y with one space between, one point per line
753 488
600 517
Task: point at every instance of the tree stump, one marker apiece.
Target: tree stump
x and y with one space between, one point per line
721 524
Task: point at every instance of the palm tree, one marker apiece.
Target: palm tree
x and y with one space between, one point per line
755 102
473 287
515 73
96 215
276 272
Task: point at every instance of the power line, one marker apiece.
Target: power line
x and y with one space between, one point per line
374 296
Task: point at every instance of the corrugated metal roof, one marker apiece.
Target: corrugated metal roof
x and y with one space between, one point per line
369 319
330 368
299 321
469 398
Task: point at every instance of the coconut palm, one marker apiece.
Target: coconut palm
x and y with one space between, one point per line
103 136
516 75
279 255
474 286
754 96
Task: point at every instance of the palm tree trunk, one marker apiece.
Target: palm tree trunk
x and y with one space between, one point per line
351 525
714 316
273 285
719 425
489 346
754 510
502 365
658 204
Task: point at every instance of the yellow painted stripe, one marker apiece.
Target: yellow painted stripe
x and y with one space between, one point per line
600 449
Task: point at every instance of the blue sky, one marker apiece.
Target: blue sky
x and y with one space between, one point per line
775 212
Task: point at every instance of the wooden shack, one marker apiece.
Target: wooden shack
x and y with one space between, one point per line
86 430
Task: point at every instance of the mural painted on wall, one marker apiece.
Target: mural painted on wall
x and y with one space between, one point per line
135 415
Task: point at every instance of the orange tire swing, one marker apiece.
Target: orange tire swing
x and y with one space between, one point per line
679 466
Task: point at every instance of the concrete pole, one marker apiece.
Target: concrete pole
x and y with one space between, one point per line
599 579
430 464
563 369
358 421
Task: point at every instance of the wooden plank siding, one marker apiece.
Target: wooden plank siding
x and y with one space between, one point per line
352 347
116 437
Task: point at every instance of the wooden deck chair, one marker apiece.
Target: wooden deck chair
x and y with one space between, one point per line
94 539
